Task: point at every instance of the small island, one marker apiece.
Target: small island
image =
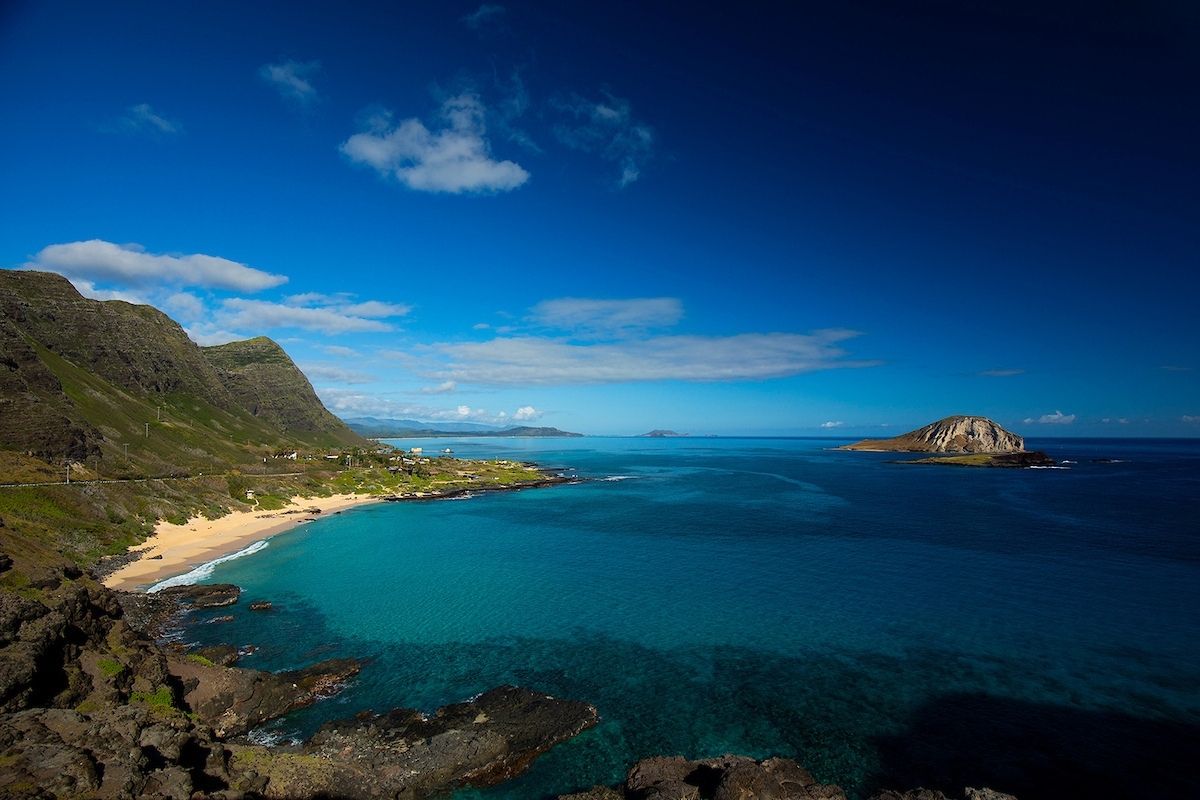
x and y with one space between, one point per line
663 434
974 441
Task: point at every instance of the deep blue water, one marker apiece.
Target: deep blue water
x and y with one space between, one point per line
1037 631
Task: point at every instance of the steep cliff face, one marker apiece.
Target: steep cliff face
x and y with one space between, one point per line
959 434
137 348
266 383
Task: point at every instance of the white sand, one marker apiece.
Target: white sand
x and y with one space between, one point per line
184 547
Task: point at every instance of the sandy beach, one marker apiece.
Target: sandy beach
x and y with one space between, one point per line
183 547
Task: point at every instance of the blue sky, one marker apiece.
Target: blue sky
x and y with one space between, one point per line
609 218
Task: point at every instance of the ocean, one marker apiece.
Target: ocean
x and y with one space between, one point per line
887 625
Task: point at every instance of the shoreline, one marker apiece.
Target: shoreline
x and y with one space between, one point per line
175 549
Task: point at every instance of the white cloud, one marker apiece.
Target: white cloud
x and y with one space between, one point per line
1190 418
1175 368
1117 421
339 350
329 372
480 326
539 361
483 16
1001 373
445 387
832 424
607 127
604 318
240 312
454 159
98 260
142 118
1057 418
184 307
525 413
291 80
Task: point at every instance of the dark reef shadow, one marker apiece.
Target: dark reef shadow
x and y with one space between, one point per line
1040 751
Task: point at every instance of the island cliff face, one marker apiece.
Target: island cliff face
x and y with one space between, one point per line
958 434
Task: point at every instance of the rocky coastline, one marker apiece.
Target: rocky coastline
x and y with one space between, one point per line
92 704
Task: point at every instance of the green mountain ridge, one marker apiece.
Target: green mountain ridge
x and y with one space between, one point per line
122 389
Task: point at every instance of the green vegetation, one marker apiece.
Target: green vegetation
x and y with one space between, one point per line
158 700
110 667
201 660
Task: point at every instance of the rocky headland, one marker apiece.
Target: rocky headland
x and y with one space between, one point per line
92 707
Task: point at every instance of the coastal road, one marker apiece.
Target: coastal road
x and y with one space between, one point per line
147 480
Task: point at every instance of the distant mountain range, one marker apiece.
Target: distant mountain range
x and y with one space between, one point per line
376 428
117 384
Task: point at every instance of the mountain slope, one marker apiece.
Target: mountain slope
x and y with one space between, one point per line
958 434
265 382
123 391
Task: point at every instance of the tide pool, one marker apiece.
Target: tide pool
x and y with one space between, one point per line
886 625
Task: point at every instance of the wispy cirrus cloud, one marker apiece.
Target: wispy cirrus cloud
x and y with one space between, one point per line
536 361
454 158
246 314
142 118
607 127
607 318
293 81
486 15
332 372
132 265
1001 373
832 424
445 387
349 402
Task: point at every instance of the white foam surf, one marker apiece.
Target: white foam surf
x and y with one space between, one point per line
204 570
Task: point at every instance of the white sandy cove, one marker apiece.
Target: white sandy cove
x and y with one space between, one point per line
199 540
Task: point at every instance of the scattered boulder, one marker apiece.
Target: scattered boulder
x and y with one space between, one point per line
222 655
261 605
211 595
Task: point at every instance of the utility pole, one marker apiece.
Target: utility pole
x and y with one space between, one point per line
160 413
147 430
127 452
68 472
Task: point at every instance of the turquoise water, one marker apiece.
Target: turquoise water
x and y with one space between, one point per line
887 625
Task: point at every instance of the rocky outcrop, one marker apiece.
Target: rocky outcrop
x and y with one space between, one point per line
740 778
90 707
404 753
725 778
960 434
154 613
232 700
929 794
